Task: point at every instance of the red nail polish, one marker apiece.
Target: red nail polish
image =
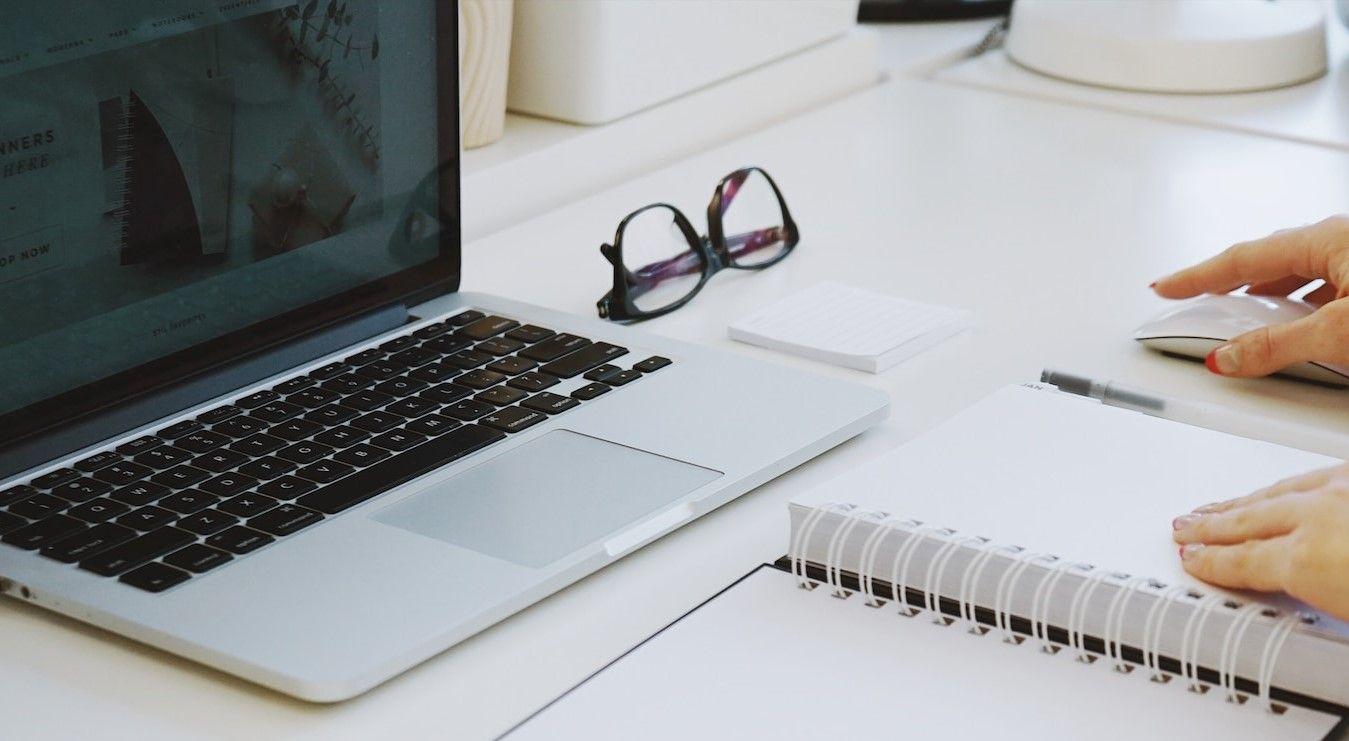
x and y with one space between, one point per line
1211 362
1152 284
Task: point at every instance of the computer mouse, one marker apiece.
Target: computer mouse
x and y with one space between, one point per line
1194 328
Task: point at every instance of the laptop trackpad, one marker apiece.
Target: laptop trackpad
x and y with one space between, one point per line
547 498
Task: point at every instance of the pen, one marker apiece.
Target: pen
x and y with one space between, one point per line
1201 414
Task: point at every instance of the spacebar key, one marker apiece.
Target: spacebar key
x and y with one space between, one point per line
408 465
583 360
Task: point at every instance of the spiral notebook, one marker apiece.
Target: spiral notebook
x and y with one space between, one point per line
1056 610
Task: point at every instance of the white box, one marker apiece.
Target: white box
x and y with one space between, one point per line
592 61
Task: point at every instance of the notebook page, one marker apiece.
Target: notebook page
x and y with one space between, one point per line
768 660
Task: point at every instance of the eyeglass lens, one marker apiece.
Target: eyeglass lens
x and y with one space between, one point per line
752 219
661 267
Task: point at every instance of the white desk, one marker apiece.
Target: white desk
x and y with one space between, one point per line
1048 221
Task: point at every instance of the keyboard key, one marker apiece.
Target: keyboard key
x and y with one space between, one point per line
379 478
285 520
550 403
139 445
447 345
377 421
590 391
293 385
366 356
229 484
465 317
202 442
85 543
583 360
530 333
480 379
55 478
277 411
124 473
533 381
513 419
181 477
499 346
468 409
247 505
603 372
431 424
240 427
488 326
554 347
10 522
401 386
333 414
165 456
304 452
140 493
468 359
220 461
287 487
148 518
98 510
256 446
267 467
38 507
414 357
313 398
255 400
431 330
239 540
398 343
362 455
97 461
198 558
295 429
324 472
82 490
38 534
348 383
219 414
512 366
154 577
175 431
501 396
331 370
207 522
434 373
445 393
380 370
398 440
15 493
367 400
340 437
187 501
653 363
622 378
412 407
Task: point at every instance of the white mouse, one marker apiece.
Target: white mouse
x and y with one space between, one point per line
1193 329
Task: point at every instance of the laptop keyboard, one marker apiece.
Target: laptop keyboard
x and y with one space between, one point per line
158 510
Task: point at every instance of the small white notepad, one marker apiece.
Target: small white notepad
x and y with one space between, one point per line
849 326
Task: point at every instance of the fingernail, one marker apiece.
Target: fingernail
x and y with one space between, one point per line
1152 284
1223 360
1190 550
1183 521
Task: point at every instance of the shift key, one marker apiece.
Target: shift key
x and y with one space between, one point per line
583 360
131 554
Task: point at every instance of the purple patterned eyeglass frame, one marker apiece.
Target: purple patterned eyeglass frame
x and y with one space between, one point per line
706 255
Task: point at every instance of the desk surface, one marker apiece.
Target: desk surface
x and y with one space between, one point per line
1047 221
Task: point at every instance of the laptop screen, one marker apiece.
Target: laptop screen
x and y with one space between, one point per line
183 182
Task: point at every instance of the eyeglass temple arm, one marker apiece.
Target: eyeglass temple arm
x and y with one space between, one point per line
686 263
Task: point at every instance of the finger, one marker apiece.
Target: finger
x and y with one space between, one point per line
1267 519
1323 295
1255 564
1281 254
1269 349
1304 482
1280 287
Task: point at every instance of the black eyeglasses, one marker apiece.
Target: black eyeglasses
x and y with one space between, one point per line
660 262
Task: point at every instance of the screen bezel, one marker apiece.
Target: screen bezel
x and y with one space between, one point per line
414 285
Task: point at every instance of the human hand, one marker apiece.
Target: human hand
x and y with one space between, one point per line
1291 537
1279 265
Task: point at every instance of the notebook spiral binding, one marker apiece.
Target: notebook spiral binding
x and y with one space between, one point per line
917 532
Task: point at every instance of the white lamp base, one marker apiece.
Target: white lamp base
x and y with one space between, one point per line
1171 46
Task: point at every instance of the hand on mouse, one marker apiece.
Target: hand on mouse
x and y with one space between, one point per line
1279 265
1289 537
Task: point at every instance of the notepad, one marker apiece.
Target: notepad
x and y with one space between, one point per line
849 326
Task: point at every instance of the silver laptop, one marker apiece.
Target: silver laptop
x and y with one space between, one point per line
248 418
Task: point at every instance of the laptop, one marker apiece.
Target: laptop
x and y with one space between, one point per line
247 416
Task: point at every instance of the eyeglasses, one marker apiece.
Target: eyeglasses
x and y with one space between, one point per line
660 262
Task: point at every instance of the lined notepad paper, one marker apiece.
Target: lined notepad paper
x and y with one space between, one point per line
851 327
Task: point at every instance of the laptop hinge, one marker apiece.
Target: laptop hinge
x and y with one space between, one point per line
164 402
